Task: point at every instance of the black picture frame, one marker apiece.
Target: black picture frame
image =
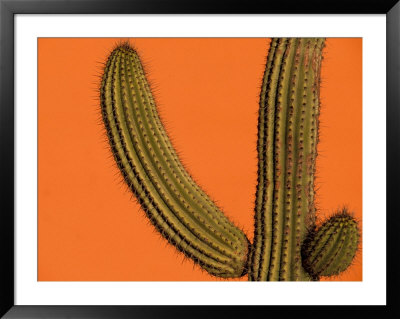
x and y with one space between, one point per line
8 8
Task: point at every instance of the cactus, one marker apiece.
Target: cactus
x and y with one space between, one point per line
176 206
287 140
287 244
287 150
331 249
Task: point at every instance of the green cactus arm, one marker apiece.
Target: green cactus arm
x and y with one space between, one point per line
331 249
178 208
287 139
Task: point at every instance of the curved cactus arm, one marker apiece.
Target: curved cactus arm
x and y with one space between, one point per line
331 249
177 207
287 140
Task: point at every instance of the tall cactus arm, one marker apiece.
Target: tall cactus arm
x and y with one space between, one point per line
287 139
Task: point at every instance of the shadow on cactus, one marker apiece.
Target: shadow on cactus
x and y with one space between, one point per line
287 245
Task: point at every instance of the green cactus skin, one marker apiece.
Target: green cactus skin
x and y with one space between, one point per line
331 249
287 140
175 205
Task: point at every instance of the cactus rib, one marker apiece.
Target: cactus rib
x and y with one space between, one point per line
177 207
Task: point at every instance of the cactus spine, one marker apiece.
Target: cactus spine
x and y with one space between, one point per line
176 206
287 140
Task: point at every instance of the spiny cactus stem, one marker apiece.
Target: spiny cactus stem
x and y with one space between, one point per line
178 208
288 127
331 249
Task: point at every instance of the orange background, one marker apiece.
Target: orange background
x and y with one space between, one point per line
89 226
